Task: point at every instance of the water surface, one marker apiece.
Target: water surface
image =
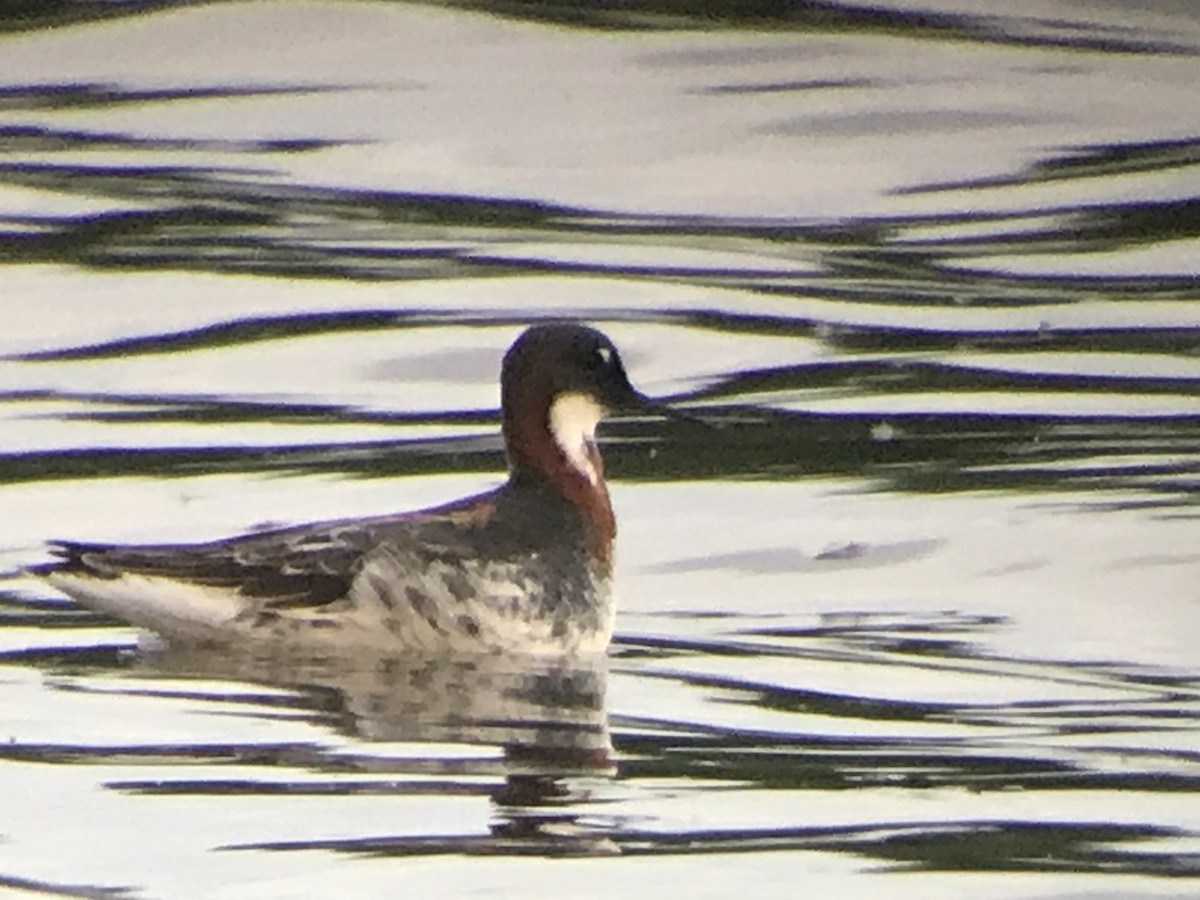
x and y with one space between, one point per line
915 615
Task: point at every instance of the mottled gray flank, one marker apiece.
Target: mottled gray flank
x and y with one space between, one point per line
483 604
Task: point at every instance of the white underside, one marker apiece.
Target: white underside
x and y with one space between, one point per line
172 608
573 421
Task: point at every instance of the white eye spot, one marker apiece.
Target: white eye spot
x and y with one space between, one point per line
605 355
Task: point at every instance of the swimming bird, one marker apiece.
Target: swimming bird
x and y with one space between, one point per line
526 567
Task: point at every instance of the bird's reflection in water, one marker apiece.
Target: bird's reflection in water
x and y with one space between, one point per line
547 717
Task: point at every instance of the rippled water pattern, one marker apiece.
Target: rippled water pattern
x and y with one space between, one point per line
911 610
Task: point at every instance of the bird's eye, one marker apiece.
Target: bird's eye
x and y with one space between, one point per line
602 358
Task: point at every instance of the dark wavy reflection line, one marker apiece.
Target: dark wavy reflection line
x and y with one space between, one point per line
805 762
227 787
28 15
977 846
829 16
1087 161
250 329
820 16
59 889
86 95
242 220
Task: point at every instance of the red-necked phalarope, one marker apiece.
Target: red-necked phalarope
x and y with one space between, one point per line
526 567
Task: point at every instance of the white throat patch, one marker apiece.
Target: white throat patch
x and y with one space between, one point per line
573 421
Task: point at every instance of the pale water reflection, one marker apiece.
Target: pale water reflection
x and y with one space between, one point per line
912 614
